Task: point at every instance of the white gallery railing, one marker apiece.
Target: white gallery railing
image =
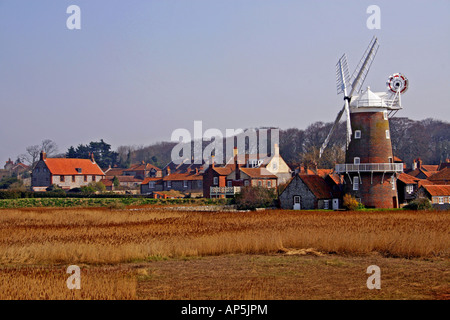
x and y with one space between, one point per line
224 190
369 167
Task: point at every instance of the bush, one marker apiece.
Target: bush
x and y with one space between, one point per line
419 204
350 203
251 198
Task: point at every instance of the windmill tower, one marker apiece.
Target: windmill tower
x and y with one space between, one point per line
369 170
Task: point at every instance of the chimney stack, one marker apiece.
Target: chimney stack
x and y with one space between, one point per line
92 157
237 166
212 161
43 156
168 171
276 149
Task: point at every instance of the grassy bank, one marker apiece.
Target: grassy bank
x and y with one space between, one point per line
100 202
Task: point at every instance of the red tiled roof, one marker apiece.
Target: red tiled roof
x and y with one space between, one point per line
182 176
317 185
224 171
65 166
429 167
324 172
438 190
416 172
260 173
114 172
442 175
142 167
408 179
147 180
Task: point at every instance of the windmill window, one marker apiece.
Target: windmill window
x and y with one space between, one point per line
216 181
358 134
356 160
355 183
385 115
388 135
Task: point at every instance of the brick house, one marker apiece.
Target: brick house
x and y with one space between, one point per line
309 191
407 187
142 171
65 173
186 182
226 181
439 195
244 170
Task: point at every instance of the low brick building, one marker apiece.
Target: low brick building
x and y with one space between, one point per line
65 173
439 195
308 191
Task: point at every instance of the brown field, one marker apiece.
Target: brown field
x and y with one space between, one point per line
161 253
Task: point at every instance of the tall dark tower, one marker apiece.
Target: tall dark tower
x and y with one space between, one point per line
369 170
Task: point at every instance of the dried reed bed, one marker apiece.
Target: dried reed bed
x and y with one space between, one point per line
71 236
49 283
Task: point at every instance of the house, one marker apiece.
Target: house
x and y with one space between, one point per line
185 182
64 172
226 180
441 177
125 182
407 187
438 194
422 171
309 191
443 165
142 171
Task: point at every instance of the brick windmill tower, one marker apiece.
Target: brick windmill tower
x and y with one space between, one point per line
369 170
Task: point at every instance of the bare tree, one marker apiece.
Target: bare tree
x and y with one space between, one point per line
33 152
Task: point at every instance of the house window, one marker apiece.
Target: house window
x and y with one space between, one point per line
409 188
385 115
269 184
37 169
185 185
259 183
246 183
326 204
85 178
151 184
200 183
274 166
441 200
296 199
73 178
356 160
169 184
229 183
61 178
93 178
388 135
355 183
215 181
358 134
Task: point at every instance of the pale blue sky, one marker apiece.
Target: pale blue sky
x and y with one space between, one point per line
137 70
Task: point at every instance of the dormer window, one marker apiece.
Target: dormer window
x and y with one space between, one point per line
78 170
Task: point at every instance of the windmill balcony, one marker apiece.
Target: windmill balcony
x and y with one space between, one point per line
223 191
369 167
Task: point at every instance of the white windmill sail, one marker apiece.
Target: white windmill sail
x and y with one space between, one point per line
359 75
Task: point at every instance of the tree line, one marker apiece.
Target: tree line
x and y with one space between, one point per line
428 139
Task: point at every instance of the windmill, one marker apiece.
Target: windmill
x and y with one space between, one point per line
356 81
369 172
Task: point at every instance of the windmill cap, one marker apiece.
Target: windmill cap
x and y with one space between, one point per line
368 99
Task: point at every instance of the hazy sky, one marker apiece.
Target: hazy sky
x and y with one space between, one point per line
138 70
